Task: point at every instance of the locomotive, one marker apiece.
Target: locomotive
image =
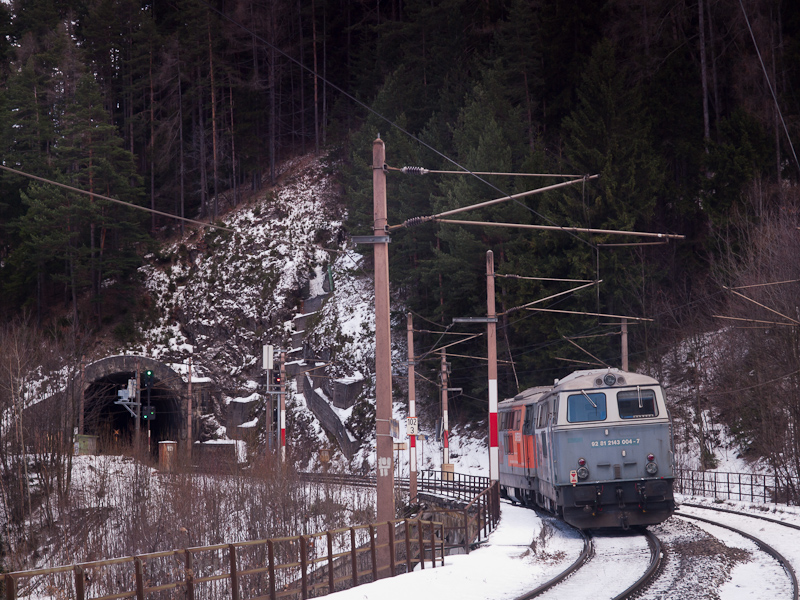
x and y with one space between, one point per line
595 448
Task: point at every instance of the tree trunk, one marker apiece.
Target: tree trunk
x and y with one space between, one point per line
233 152
316 86
213 122
182 171
704 71
152 149
203 178
302 74
272 97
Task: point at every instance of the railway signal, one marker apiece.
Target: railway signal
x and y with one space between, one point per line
147 379
276 377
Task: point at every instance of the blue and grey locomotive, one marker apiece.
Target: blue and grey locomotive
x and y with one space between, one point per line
596 449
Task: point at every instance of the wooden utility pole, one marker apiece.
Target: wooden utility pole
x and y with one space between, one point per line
189 414
82 392
383 359
137 427
445 423
491 339
624 344
412 410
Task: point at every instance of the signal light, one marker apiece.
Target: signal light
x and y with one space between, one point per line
147 378
651 457
582 462
148 413
276 378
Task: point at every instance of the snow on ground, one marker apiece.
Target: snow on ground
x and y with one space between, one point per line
525 551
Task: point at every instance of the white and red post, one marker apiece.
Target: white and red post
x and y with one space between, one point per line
282 407
445 424
491 326
412 410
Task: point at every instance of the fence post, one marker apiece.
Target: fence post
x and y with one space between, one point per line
373 552
80 590
408 546
271 567
329 537
353 557
139 576
392 568
234 574
466 531
433 545
189 572
441 544
421 537
485 515
303 567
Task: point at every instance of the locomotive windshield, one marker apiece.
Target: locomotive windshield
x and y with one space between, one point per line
585 407
637 404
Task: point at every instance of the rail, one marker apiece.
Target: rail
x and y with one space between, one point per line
749 487
785 564
288 567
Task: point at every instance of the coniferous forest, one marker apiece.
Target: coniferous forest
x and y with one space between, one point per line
689 111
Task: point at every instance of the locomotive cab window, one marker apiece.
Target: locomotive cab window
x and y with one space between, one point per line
585 407
527 427
637 404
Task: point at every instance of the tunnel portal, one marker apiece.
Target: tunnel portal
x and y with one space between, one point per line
113 423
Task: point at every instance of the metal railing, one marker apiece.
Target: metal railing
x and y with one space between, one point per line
289 567
469 526
750 487
465 526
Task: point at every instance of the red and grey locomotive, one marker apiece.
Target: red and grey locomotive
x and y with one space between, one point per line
596 449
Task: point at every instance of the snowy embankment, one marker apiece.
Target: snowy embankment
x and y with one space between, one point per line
525 551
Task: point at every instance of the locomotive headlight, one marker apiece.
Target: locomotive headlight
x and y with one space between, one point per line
609 379
651 468
583 473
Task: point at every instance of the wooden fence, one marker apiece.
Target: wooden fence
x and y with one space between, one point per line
294 567
302 566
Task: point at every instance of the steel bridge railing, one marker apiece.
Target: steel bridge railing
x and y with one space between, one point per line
749 487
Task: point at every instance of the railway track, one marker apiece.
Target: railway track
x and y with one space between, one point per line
639 551
751 527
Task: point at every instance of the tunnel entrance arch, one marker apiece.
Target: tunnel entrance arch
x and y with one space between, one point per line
98 387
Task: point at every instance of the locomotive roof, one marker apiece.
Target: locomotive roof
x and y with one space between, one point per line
581 380
588 379
531 394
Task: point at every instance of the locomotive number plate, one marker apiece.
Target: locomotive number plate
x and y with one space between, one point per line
622 442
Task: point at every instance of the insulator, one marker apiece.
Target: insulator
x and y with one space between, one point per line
415 170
